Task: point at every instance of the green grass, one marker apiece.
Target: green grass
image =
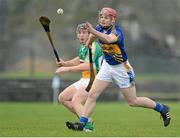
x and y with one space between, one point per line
111 119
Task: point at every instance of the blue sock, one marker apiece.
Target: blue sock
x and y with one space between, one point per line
158 107
83 120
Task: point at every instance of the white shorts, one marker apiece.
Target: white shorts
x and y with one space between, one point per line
122 74
81 83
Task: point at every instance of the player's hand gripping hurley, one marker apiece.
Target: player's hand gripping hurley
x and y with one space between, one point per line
45 21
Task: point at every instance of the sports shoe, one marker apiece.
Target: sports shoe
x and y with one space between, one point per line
88 127
165 115
69 125
75 126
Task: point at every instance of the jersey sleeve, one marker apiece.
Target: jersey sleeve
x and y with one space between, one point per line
87 57
96 51
83 54
80 55
97 55
118 32
98 28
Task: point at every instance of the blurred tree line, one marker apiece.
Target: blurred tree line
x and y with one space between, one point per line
151 31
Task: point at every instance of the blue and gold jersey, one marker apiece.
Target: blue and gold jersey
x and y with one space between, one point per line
114 53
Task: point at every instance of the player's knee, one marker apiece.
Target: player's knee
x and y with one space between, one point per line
61 98
75 101
132 102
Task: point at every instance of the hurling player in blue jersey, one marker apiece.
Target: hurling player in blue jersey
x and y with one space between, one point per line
115 67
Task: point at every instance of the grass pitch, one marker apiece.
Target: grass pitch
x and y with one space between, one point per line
111 119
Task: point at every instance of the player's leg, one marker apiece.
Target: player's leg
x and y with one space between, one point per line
80 96
79 100
134 101
102 80
65 97
96 89
78 103
131 98
125 81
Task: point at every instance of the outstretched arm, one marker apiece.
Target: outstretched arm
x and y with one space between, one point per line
101 36
72 62
81 67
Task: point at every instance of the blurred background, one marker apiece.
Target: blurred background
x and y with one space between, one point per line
27 63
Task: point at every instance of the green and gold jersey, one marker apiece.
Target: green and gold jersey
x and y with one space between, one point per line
97 57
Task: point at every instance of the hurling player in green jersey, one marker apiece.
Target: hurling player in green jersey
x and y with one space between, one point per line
74 96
